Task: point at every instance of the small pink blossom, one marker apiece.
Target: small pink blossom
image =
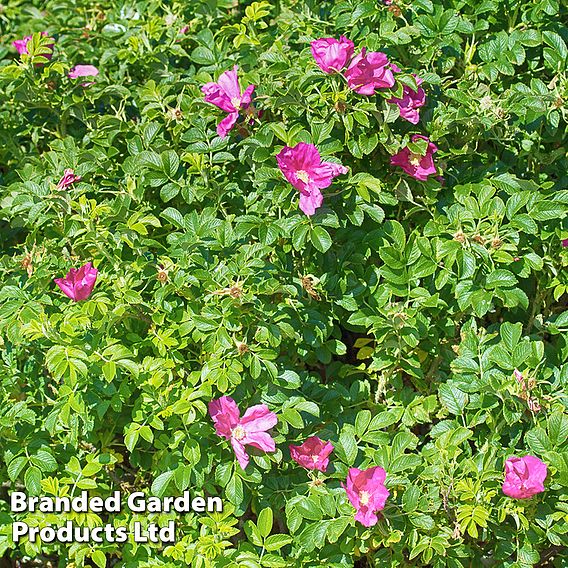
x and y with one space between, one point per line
520 379
249 430
312 454
332 55
411 100
83 71
21 46
226 94
303 168
69 178
367 493
534 405
524 477
419 167
183 30
79 283
369 71
565 243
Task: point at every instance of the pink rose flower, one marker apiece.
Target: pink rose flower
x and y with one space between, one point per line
419 167
79 283
226 94
83 71
411 100
367 493
303 168
21 46
332 55
369 71
69 178
250 430
312 454
524 477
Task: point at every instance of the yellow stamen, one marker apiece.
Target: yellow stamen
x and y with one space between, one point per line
414 159
364 498
303 176
238 433
236 102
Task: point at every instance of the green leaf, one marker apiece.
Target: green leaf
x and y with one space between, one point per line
538 441
170 163
362 422
32 480
320 238
44 460
15 467
310 508
264 522
452 398
160 484
277 541
99 558
173 216
347 447
234 490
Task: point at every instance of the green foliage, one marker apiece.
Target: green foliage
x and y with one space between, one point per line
390 322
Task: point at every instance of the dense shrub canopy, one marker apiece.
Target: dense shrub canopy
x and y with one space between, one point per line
375 256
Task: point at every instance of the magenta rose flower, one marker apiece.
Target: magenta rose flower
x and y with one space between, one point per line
79 283
69 178
83 71
312 454
419 167
565 243
21 46
250 430
367 493
226 94
332 55
524 477
303 168
411 100
369 71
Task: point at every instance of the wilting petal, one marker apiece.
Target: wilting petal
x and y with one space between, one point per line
66 287
247 96
227 124
83 71
309 202
240 452
366 517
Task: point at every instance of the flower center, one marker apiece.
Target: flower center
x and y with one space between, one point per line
315 459
236 102
303 176
238 433
414 159
364 498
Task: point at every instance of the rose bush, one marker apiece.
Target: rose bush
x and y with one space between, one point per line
316 261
